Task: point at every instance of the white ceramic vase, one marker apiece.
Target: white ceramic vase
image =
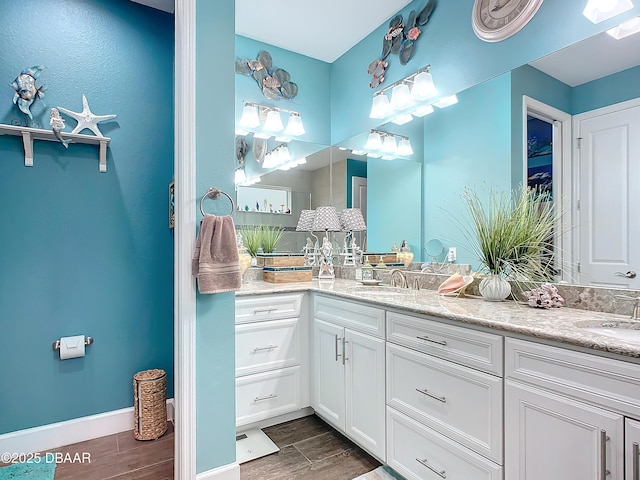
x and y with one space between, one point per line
494 288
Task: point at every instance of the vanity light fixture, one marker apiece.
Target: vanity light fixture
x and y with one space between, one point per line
253 114
293 164
600 10
249 182
446 101
404 147
239 176
387 145
276 156
402 119
423 111
387 157
403 97
625 29
374 141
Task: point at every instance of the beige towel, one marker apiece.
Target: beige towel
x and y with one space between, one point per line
215 259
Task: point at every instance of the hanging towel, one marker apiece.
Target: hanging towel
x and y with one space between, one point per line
215 259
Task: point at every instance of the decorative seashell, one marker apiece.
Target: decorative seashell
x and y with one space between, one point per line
456 284
265 59
242 67
394 32
376 81
413 34
260 75
282 75
271 93
411 21
289 90
423 16
386 48
254 65
395 21
271 82
406 52
396 44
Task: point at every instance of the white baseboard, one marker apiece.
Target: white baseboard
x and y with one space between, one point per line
55 435
226 472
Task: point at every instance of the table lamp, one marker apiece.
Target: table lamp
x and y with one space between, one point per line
326 219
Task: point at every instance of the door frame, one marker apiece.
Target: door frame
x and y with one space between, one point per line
577 119
562 177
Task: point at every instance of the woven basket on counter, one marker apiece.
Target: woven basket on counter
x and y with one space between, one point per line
150 404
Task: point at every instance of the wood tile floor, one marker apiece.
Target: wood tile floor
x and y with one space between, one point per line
309 450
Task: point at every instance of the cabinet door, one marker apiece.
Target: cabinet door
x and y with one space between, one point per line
365 390
551 437
632 449
328 378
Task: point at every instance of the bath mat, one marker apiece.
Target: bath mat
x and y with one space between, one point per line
380 473
29 471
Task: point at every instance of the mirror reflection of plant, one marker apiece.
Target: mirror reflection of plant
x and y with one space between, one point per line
252 238
511 233
271 236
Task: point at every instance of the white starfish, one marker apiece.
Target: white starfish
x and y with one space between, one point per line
86 119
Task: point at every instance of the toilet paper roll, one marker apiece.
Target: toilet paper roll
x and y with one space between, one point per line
71 347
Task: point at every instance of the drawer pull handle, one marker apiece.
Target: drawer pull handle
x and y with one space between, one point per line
427 339
424 462
344 351
636 452
259 399
337 354
264 310
603 455
262 349
425 392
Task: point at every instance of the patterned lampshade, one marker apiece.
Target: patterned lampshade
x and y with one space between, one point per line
352 221
326 220
305 222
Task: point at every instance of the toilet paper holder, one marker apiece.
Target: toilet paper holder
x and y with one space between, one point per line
87 341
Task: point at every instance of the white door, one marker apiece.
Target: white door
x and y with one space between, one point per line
609 196
359 200
365 391
632 449
551 437
328 376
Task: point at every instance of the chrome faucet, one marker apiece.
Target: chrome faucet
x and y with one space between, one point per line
396 271
635 315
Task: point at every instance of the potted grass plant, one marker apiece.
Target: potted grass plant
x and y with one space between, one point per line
511 234
271 236
251 238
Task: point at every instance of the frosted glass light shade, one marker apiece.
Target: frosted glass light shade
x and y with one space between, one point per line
446 101
249 118
389 144
326 219
402 119
401 97
283 153
404 147
380 107
239 176
423 87
422 111
273 123
600 10
374 142
294 126
625 29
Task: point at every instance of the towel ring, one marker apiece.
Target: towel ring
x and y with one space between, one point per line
214 193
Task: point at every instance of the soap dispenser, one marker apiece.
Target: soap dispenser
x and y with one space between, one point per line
367 271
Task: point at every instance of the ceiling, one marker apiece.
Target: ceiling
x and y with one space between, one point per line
590 59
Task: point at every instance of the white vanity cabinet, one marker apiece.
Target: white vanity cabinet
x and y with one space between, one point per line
349 370
565 414
444 400
632 449
271 356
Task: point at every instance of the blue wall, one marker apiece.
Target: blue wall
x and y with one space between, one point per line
615 88
215 327
85 252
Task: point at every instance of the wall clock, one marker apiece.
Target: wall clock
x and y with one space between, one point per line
495 20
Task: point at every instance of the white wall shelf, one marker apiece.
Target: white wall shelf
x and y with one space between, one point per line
29 134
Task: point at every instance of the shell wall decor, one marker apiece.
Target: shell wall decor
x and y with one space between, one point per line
400 40
275 83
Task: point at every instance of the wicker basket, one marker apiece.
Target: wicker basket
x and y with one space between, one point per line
150 404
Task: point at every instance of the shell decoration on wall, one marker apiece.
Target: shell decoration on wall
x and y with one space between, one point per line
26 90
275 83
400 40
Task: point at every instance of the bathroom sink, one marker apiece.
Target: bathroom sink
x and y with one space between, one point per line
627 331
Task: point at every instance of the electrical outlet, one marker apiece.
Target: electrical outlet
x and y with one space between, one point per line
452 255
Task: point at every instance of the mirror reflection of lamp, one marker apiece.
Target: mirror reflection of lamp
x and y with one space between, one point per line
305 224
326 220
351 220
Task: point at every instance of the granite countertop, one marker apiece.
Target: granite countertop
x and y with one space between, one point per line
556 324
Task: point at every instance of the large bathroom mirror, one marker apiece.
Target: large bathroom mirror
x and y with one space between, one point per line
483 140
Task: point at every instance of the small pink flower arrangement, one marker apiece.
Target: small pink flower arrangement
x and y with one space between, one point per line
413 34
545 296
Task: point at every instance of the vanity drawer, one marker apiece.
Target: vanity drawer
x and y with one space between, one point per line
457 401
266 395
479 350
262 346
613 384
353 315
268 307
419 453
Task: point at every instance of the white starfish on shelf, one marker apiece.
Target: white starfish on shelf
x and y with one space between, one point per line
86 118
